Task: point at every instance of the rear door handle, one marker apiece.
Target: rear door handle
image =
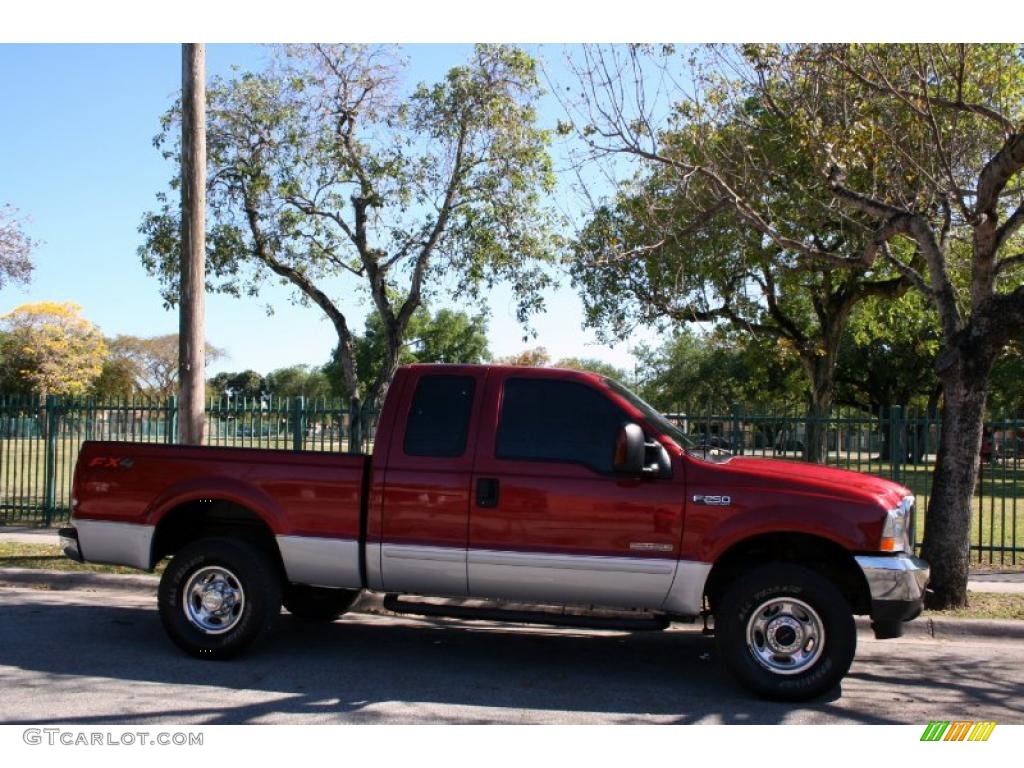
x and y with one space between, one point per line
487 492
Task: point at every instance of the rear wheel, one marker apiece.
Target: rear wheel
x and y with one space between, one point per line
786 632
318 603
217 596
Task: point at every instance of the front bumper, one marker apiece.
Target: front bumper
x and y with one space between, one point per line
897 584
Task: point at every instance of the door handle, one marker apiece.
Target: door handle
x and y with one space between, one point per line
487 492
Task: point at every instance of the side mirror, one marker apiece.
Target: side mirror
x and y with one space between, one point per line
629 450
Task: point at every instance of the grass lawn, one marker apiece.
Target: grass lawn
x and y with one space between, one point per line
985 605
49 557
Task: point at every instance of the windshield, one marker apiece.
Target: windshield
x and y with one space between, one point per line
665 426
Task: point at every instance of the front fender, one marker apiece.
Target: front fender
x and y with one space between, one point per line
853 528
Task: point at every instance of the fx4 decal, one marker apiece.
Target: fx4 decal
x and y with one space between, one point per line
112 462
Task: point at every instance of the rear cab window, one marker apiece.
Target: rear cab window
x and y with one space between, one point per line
438 423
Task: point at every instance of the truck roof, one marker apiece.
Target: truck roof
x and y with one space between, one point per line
526 369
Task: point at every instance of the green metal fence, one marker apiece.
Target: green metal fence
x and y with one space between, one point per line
897 443
40 439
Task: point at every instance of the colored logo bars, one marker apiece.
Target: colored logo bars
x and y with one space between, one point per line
958 730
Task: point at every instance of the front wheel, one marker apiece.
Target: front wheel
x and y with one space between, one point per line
217 596
786 632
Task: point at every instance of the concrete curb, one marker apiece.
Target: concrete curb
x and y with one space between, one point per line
955 629
928 628
64 580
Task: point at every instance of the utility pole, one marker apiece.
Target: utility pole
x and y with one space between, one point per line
191 362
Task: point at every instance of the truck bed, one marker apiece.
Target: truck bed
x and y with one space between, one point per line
298 495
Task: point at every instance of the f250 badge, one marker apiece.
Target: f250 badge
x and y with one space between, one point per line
713 501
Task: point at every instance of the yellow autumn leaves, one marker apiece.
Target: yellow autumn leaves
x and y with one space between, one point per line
52 348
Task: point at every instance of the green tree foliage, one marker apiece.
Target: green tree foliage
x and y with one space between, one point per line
594 366
117 379
677 244
50 349
145 365
328 173
444 337
307 381
711 372
247 384
1006 386
887 356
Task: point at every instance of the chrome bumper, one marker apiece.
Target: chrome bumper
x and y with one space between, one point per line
897 584
895 577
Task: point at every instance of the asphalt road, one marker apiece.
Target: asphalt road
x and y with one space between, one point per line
102 658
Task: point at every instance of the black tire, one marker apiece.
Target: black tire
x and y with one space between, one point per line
753 614
318 603
249 588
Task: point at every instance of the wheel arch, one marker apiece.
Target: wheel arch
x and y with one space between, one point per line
198 518
820 554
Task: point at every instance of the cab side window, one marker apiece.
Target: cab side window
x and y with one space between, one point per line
438 420
563 421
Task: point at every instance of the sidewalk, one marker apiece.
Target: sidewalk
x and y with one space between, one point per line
24 535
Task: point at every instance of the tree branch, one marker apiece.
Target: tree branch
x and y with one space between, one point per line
1008 161
909 97
1009 227
1009 262
262 252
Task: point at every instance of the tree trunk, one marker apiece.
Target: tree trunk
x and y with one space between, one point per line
364 410
822 372
191 356
885 427
948 520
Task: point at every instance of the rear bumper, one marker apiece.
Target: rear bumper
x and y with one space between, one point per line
897 584
99 541
69 544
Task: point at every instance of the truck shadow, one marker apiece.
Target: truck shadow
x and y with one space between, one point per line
369 669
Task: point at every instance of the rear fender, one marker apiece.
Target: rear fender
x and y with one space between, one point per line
219 489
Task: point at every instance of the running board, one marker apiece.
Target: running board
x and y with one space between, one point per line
624 622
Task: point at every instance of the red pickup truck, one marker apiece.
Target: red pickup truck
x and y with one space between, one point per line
504 484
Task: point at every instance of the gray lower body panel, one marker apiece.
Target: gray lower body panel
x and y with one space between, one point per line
424 570
321 562
686 596
100 541
555 578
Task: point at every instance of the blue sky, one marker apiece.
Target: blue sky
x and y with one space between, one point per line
76 156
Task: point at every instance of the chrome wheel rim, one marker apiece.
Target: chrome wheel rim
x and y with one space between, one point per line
213 600
786 636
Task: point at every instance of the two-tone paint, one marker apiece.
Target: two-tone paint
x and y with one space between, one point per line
557 533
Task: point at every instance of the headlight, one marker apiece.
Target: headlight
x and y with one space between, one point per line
896 531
